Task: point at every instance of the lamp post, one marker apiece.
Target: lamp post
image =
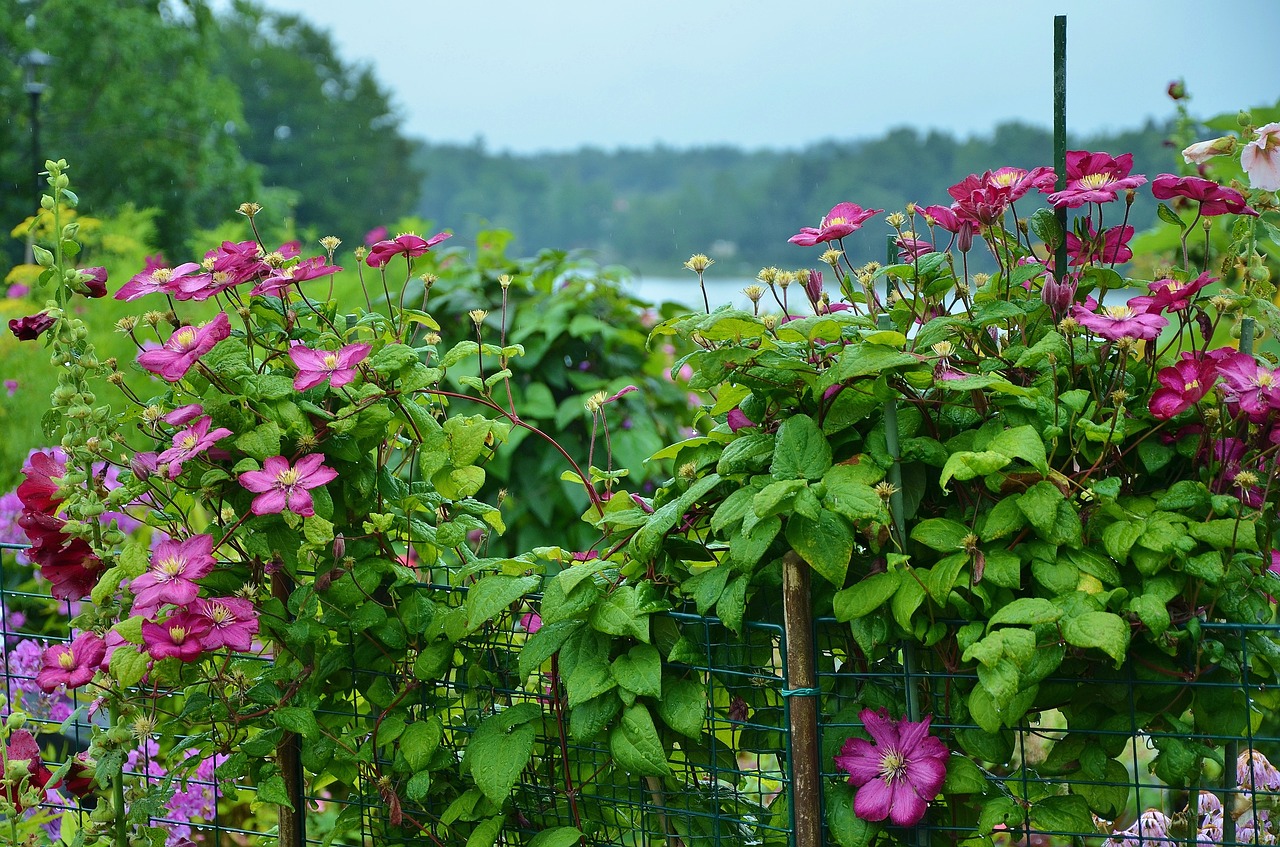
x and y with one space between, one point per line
33 62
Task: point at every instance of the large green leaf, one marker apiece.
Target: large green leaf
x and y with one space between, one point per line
635 744
802 450
826 544
500 748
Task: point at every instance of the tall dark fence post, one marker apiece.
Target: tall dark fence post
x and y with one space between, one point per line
802 702
292 822
1060 134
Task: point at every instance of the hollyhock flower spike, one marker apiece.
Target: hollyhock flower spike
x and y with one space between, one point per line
280 486
316 366
402 245
1213 198
898 772
1260 159
72 665
842 220
22 747
96 284
185 347
1095 178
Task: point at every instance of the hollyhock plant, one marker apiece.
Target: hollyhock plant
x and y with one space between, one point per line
185 347
190 443
175 565
408 245
1260 158
316 366
72 665
898 772
233 622
843 219
1203 151
180 637
1095 178
1213 198
1116 322
281 486
96 284
31 327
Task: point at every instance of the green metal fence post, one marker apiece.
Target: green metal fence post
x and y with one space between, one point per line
1060 133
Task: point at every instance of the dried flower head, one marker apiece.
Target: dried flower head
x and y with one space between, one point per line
754 292
895 219
770 322
831 257
596 401
688 471
431 338
477 316
152 318
885 490
126 324
768 275
330 244
505 281
249 209
699 262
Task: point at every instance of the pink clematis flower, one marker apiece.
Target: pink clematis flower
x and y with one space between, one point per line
1095 178
315 366
979 199
280 279
1111 247
72 664
233 622
1254 389
1170 295
1213 198
1183 384
281 487
842 220
402 245
155 278
189 443
1116 322
181 636
175 566
184 347
1260 158
898 774
1018 181
1059 295
953 220
184 414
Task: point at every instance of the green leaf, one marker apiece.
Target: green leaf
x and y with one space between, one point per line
941 534
1225 535
1169 216
1063 813
273 790
1119 538
639 671
560 836
746 454
848 494
859 360
128 667
544 643
826 544
864 597
1152 611
1005 518
1103 630
419 742
963 777
298 720
1026 611
635 744
492 596
500 749
683 706
486 834
619 614
847 828
777 497
706 586
966 465
262 442
392 359
588 720
802 450
1022 442
906 600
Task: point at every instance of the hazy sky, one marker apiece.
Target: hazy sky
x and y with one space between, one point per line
557 74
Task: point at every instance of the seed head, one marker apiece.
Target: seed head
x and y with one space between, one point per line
832 257
152 318
127 323
768 275
885 490
505 281
754 292
699 262
360 253
330 244
1246 479
477 316
688 471
249 209
895 219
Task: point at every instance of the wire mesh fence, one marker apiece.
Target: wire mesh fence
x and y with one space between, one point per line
1209 712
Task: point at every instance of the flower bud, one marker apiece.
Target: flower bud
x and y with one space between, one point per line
1177 90
1203 151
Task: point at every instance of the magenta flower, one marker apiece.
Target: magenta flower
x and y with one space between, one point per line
23 747
1260 159
155 278
279 280
843 219
175 565
979 199
373 236
402 245
189 443
898 774
1213 198
737 419
184 347
1095 178
955 221
1018 182
96 284
31 327
11 387
1250 386
281 487
1116 322
315 366
1183 385
1111 247
181 636
1057 294
184 414
233 622
72 664
531 622
1171 295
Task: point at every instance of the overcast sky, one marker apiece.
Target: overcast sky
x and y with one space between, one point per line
531 75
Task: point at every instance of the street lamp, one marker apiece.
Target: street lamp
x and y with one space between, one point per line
33 62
